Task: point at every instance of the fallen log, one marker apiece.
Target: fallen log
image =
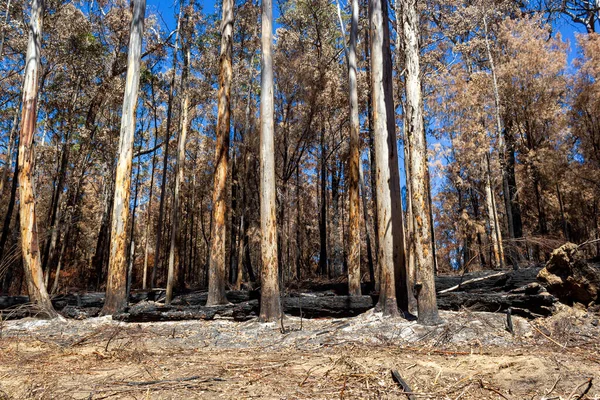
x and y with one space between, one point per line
147 311
522 304
199 298
486 281
80 300
329 306
307 306
479 281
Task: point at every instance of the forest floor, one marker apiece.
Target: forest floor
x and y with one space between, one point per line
470 356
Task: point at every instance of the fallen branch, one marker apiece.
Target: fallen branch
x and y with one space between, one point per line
547 337
450 289
491 389
586 390
402 383
176 380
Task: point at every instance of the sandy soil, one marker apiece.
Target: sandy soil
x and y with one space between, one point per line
471 356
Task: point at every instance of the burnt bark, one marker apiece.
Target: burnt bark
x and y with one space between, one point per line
116 286
217 263
27 200
270 304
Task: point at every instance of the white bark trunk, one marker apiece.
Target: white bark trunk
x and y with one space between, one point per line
415 134
270 306
116 290
29 234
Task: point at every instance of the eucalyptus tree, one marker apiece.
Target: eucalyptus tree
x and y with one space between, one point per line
387 178
116 287
270 302
29 231
419 176
216 274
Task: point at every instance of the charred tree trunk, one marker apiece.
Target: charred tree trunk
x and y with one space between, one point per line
116 290
384 154
371 158
354 164
403 291
150 195
103 241
217 264
50 247
176 237
6 229
163 188
323 259
370 258
424 256
270 304
493 217
29 234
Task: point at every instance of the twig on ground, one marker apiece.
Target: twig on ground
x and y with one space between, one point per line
491 389
585 391
115 333
187 379
402 383
547 337
553 386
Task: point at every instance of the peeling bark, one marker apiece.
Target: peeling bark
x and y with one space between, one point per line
29 234
270 303
176 237
383 158
216 274
415 134
116 287
354 160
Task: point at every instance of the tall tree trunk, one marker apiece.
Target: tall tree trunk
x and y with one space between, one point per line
103 241
174 247
511 187
299 253
216 275
323 258
410 224
270 303
116 290
507 161
383 158
502 155
131 259
477 233
337 256
371 158
50 247
150 196
163 187
403 291
29 235
424 256
70 219
492 217
353 164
